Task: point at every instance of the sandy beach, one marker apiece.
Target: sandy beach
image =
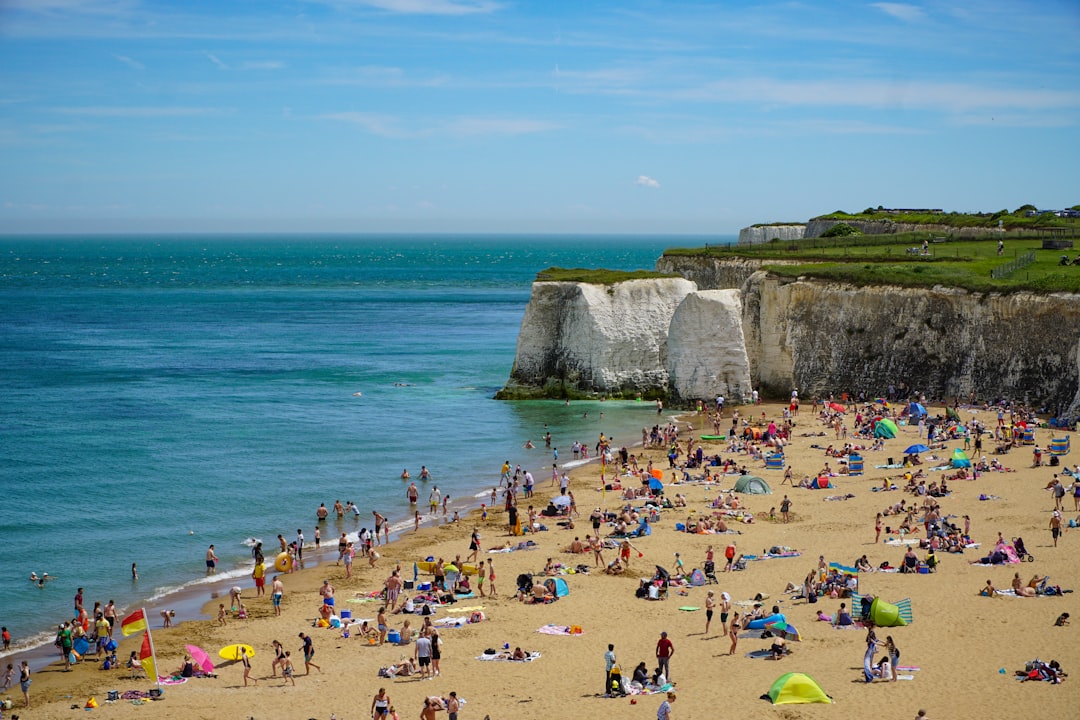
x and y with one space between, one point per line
959 641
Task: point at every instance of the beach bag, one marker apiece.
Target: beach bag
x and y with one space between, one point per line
476 617
155 692
113 696
426 610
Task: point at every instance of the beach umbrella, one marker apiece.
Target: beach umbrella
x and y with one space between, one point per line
916 449
662 573
657 473
786 628
837 407
655 484
201 658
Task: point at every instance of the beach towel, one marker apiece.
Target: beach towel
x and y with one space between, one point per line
894 466
471 608
500 657
902 541
175 680
689 608
450 622
561 630
772 556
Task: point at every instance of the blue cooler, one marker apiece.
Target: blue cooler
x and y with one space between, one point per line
346 615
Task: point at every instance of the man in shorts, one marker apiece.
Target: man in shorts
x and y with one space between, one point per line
422 653
211 561
277 591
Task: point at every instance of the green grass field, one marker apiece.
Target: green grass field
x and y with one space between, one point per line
884 260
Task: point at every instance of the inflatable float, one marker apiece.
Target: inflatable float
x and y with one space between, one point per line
426 566
283 563
760 623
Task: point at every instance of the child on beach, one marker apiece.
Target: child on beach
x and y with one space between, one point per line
287 668
222 614
9 677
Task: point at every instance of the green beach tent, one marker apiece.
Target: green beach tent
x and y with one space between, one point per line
797 688
885 428
884 614
959 459
752 485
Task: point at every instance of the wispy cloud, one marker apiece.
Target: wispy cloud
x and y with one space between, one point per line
646 181
497 126
915 94
901 11
393 127
134 64
432 7
262 65
383 76
217 61
137 112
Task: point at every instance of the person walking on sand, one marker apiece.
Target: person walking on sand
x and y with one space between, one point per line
24 681
491 578
1055 526
422 654
481 575
664 650
878 524
308 649
287 670
664 711
609 663
474 545
277 591
725 608
380 704
211 561
247 667
733 630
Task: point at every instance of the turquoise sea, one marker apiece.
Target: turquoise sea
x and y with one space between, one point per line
164 393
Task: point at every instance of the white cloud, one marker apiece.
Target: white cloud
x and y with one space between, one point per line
393 127
262 65
901 11
434 7
214 59
646 181
134 64
497 126
136 112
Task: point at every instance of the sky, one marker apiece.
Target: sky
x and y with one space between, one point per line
512 116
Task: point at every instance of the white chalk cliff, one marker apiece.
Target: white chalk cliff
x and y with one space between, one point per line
666 337
757 234
606 339
706 350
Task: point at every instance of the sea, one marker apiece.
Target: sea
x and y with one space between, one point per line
165 393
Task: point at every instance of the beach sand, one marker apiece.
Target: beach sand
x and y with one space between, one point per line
959 640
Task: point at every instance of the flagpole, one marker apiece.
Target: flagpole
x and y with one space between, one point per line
153 653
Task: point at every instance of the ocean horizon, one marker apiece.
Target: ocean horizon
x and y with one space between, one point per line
169 392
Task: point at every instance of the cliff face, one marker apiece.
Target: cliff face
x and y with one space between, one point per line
706 350
757 234
710 273
665 337
577 337
815 228
823 338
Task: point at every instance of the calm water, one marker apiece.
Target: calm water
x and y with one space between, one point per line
161 394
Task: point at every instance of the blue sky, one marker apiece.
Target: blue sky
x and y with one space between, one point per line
513 116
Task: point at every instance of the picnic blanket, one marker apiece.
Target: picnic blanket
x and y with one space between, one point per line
502 657
902 541
773 556
561 630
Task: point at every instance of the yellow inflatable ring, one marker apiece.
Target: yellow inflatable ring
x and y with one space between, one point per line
283 562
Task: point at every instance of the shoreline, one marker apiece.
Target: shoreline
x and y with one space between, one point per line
994 633
195 600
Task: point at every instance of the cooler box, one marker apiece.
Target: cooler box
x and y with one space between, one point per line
409 584
424 587
394 637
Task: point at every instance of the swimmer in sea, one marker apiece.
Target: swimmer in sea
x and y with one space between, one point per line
528 445
405 474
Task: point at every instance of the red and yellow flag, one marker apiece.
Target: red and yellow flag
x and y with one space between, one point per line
134 622
146 657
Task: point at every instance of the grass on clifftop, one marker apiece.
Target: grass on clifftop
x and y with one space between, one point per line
598 276
1015 220
884 260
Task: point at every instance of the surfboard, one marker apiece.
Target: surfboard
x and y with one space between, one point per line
232 652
